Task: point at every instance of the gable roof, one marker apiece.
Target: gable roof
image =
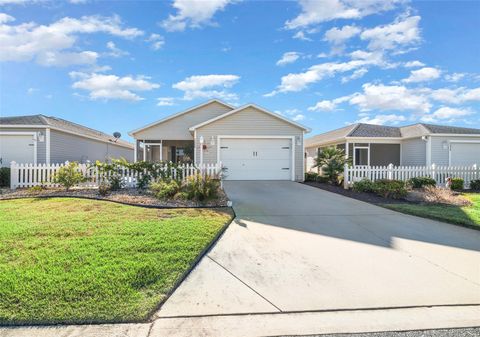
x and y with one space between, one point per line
131 133
250 105
364 130
61 125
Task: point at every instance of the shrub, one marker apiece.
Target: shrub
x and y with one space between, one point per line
331 160
311 176
456 184
475 185
165 189
116 182
36 188
69 176
421 182
200 187
364 185
435 195
394 189
4 176
322 179
104 188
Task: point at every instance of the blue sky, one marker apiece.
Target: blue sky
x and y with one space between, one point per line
118 65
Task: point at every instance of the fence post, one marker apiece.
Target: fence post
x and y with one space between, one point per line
390 171
434 175
345 176
13 175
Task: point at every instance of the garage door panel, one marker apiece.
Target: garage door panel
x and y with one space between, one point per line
464 154
256 159
19 148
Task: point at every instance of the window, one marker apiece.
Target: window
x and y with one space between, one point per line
361 154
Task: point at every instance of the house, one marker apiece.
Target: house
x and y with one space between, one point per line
251 142
40 139
413 145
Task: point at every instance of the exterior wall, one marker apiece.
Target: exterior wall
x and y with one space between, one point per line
41 146
310 155
439 155
177 127
65 146
384 154
414 152
249 122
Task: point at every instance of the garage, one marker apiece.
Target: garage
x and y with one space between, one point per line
15 147
464 153
257 158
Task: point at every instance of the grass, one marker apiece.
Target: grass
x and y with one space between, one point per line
466 216
66 260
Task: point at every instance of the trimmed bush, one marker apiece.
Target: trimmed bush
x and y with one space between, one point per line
456 184
69 176
4 176
104 189
165 189
475 185
364 185
421 182
200 188
311 176
394 189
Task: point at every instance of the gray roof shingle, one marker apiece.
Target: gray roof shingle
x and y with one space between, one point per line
61 124
451 129
372 130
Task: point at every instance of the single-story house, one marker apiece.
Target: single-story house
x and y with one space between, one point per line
413 145
40 139
252 143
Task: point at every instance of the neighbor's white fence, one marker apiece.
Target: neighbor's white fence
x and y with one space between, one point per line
439 173
28 175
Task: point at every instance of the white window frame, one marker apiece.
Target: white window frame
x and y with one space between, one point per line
292 139
361 147
148 144
21 133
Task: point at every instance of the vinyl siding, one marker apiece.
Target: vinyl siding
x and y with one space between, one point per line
41 146
65 146
249 122
177 127
439 154
414 152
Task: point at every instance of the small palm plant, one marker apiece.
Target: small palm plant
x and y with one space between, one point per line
332 161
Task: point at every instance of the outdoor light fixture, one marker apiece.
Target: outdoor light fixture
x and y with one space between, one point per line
202 140
298 140
40 136
445 145
212 140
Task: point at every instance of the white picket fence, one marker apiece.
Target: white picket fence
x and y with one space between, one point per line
439 173
28 175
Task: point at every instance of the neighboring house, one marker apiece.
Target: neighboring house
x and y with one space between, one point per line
40 139
252 143
413 145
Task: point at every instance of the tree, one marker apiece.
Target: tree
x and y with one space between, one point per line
332 161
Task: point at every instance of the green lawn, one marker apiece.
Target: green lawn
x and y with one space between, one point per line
466 216
74 260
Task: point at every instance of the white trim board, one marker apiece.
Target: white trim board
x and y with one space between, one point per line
131 133
292 139
250 105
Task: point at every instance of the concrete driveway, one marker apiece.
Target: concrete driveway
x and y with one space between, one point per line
295 248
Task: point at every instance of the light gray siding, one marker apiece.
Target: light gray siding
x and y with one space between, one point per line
65 146
414 152
41 146
250 122
439 154
177 127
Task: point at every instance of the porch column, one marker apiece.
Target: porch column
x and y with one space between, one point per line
144 151
346 150
161 150
135 151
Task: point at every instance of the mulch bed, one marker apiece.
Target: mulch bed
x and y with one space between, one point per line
129 196
367 197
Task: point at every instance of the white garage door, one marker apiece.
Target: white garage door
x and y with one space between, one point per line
19 148
464 154
256 159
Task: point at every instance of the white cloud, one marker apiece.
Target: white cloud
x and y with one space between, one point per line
115 51
298 118
165 101
288 57
207 86
455 77
382 97
339 36
403 32
422 75
414 64
329 105
53 43
382 119
157 41
300 35
355 75
315 11
446 114
456 96
103 86
193 14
